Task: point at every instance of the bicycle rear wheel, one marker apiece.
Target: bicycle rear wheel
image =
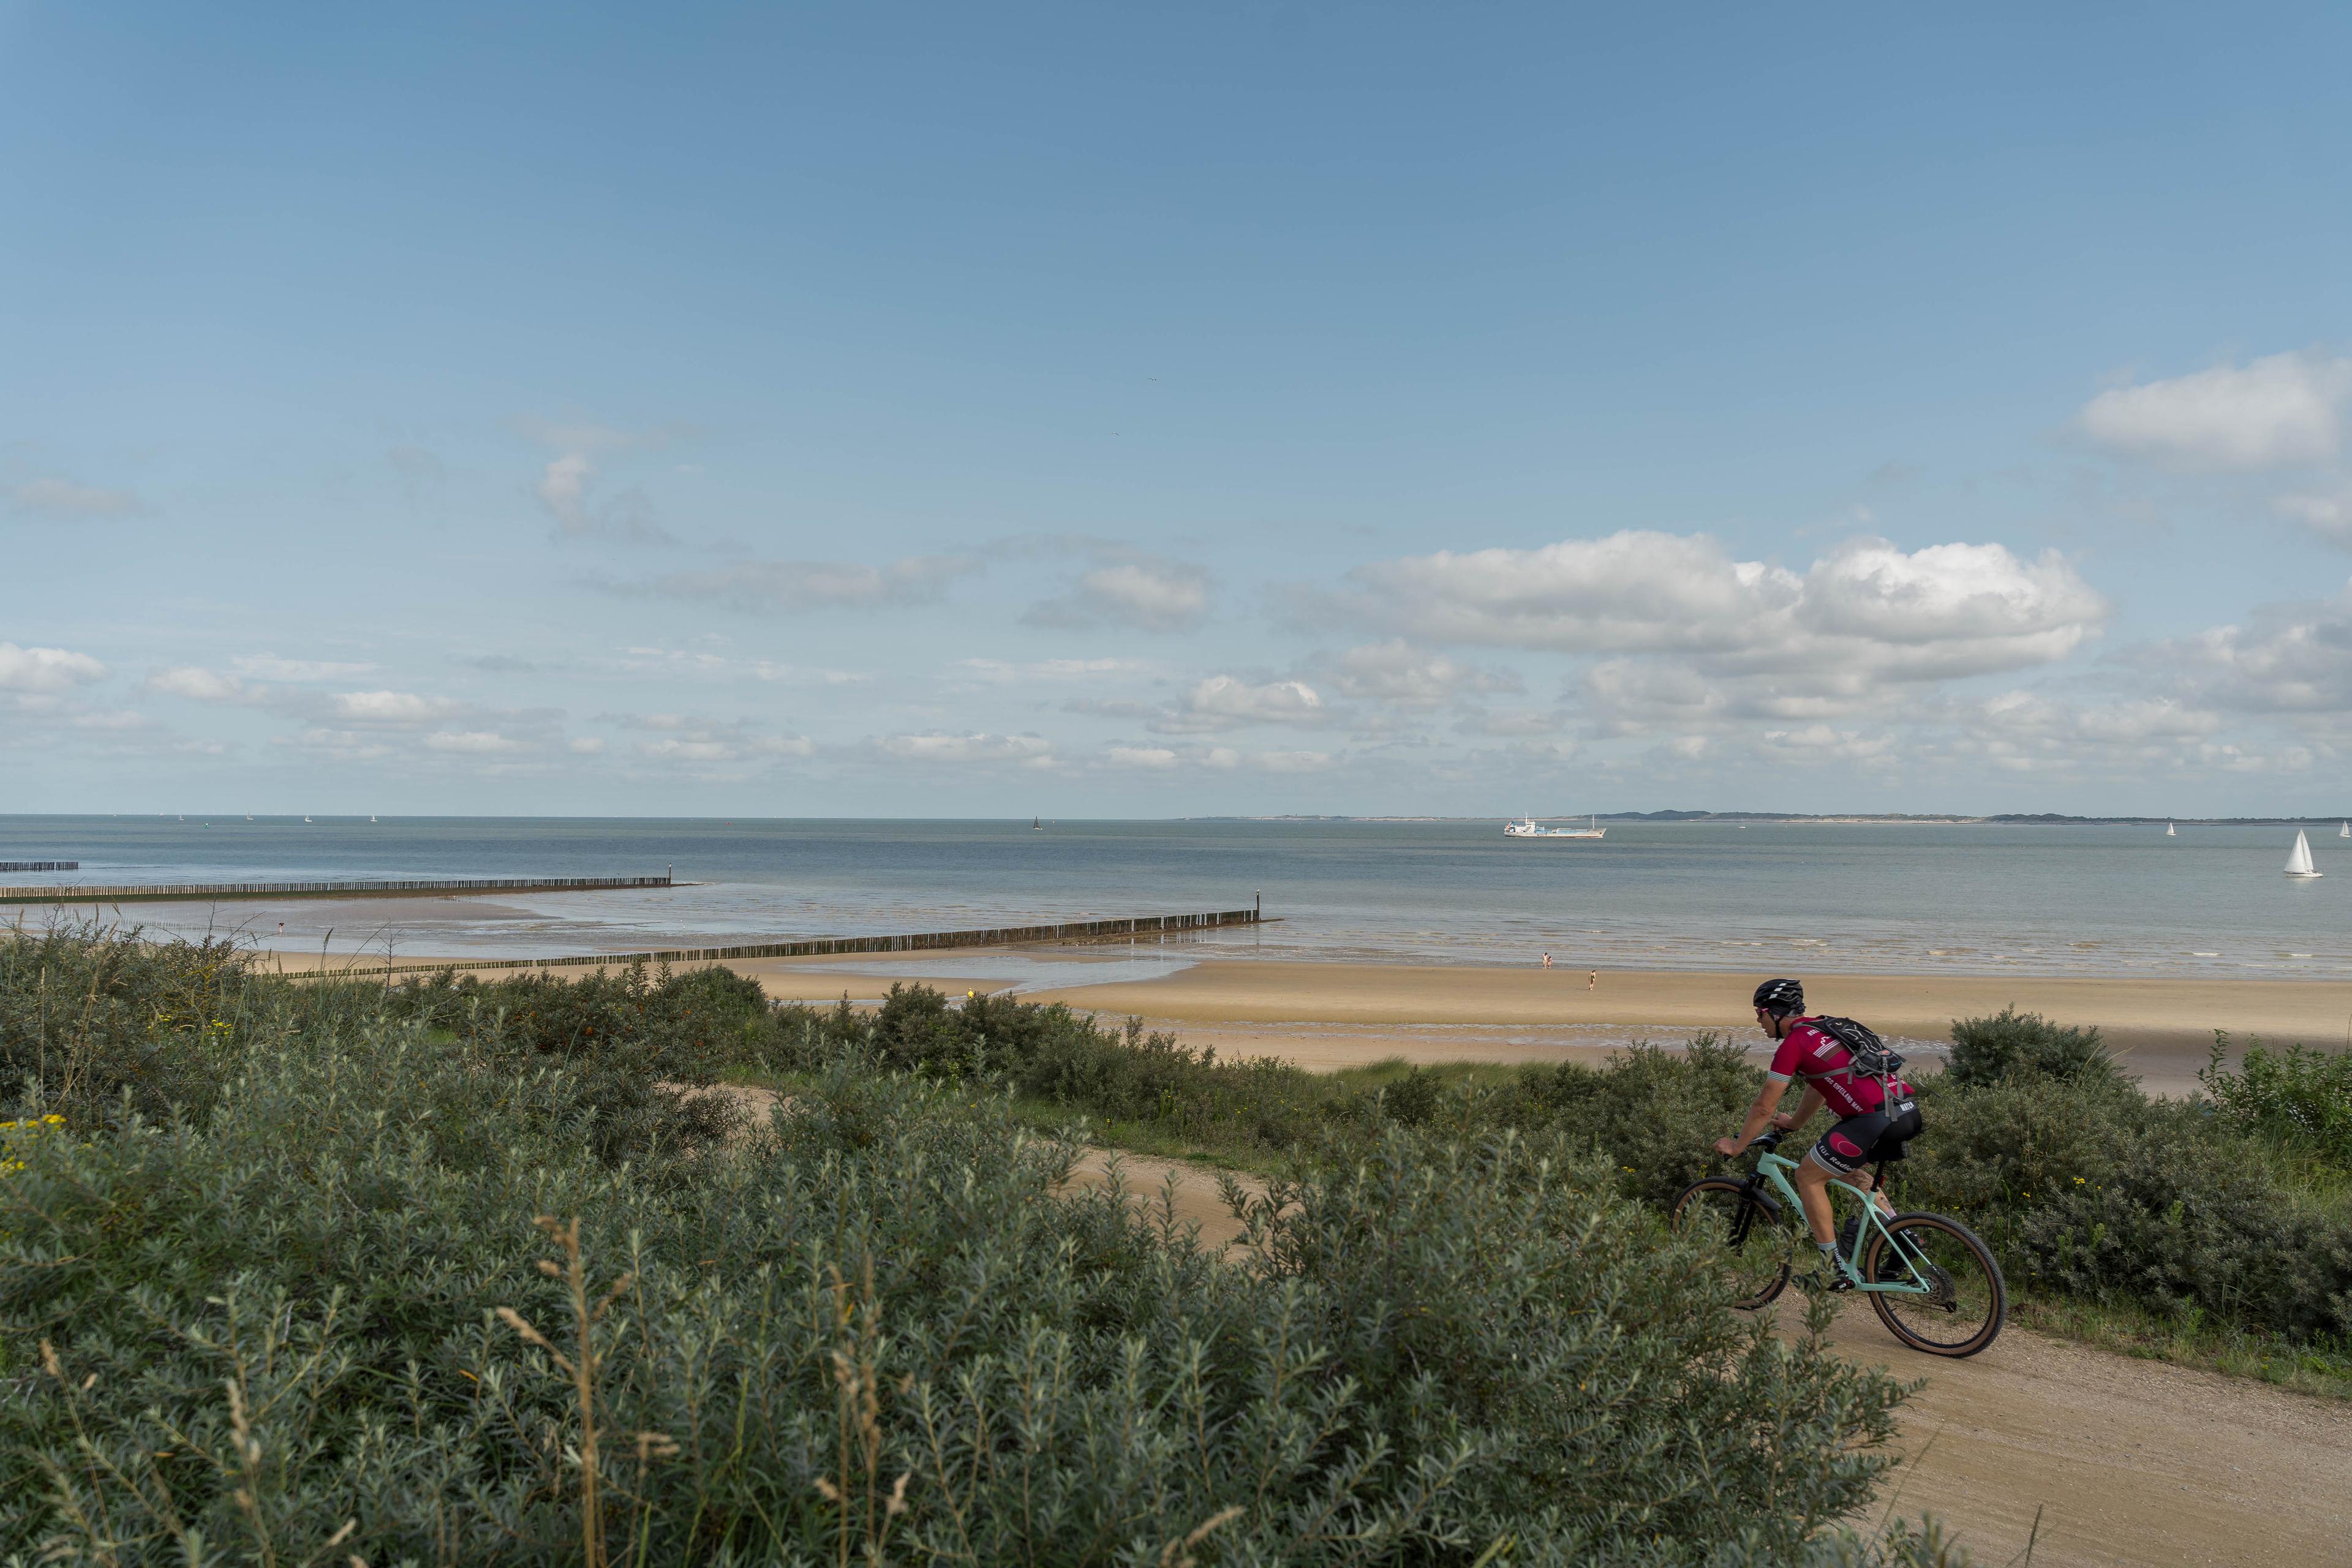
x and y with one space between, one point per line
1966 1301
1751 1237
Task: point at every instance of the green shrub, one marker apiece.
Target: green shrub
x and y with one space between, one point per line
2109 1194
2011 1044
2299 1096
229 1335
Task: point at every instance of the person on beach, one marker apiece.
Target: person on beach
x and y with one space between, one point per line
1593 981
1876 1119
1546 961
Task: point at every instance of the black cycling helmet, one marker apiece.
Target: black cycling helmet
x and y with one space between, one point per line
1781 996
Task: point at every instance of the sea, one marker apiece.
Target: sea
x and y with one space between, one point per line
2072 899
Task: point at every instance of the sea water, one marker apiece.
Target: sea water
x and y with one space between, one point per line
1814 897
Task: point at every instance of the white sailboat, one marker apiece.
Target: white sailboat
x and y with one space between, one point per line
1526 828
2169 833
2299 863
2344 830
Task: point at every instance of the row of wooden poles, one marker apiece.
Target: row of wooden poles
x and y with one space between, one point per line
818 947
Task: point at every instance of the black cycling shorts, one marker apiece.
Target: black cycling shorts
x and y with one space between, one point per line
1864 1140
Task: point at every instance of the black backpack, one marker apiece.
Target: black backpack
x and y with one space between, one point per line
1871 1056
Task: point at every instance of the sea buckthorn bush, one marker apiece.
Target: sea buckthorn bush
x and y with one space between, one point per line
2299 1096
311 1321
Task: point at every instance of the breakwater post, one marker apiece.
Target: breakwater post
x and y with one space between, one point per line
1127 927
420 888
40 864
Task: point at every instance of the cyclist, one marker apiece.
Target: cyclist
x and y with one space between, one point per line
1875 1119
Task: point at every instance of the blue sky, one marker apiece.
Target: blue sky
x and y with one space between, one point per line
1104 411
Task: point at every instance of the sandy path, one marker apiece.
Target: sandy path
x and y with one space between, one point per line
2129 1461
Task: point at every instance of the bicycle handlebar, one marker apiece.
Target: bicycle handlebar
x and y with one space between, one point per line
1767 1142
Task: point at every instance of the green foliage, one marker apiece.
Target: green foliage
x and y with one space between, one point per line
2010 1045
2116 1195
867 1328
2299 1096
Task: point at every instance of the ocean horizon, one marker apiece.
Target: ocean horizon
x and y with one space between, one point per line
2071 899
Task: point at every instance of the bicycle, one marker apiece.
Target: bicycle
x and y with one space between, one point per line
1932 1282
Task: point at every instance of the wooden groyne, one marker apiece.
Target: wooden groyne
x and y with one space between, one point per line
152 892
40 864
818 947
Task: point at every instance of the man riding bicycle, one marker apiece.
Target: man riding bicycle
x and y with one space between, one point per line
1875 1118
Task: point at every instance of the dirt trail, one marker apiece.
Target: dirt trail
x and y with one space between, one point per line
2129 1461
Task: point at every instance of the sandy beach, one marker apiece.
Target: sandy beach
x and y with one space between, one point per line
1331 1016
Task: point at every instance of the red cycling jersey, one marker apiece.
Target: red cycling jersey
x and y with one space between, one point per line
1822 1062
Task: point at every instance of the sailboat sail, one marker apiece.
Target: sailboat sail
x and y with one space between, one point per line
2169 833
2299 863
2344 830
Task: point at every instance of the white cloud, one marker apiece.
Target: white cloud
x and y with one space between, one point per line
199 685
1132 589
1946 610
2326 514
45 669
587 745
1224 702
1000 672
1819 746
2292 659
390 707
1167 759
66 501
760 586
567 486
476 743
269 666
2282 409
1700 639
1032 750
1396 673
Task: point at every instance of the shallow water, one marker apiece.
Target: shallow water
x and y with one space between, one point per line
1850 897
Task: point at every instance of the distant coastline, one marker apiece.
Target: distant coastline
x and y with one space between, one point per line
1890 819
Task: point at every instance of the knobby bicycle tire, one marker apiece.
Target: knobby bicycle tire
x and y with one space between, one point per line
1724 1203
1971 1301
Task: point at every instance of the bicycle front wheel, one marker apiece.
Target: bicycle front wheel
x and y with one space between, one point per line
1746 1230
1955 1301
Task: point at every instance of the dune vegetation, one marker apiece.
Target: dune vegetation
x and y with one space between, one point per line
332 1271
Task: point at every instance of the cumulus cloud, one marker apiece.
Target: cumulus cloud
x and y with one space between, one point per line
569 487
1223 759
2327 514
391 708
200 685
758 587
1030 751
2282 409
691 738
1693 636
63 500
1001 672
476 743
269 666
2284 659
45 670
1226 702
1130 588
1398 673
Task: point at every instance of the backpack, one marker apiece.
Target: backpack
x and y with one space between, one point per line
1871 1056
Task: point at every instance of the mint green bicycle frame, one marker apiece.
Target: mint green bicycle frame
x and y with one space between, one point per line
1773 1168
